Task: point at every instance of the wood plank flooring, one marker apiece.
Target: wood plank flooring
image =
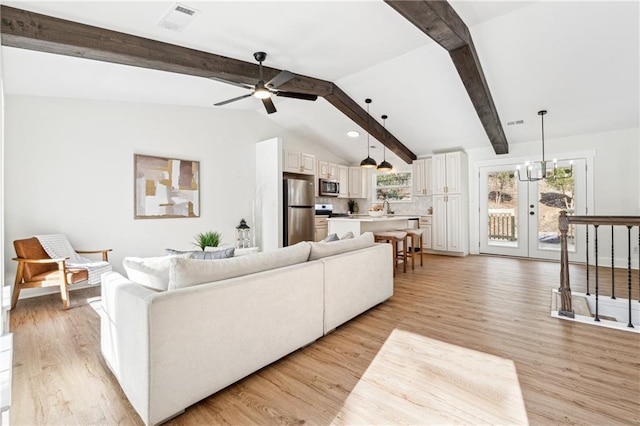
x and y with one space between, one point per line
473 332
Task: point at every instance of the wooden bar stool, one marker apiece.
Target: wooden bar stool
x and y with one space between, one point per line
416 237
394 238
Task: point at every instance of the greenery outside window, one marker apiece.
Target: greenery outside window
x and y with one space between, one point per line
393 186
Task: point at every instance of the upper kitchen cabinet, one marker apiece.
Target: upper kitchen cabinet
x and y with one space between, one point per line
358 183
449 172
327 170
421 170
299 162
343 178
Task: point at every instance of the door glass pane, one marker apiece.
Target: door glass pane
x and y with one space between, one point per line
555 193
502 211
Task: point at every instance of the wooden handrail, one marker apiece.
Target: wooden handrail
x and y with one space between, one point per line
603 220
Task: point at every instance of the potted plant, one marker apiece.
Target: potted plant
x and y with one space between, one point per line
207 239
353 206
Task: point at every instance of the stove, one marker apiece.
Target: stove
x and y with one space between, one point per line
324 209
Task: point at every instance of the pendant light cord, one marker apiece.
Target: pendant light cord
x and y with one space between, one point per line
368 127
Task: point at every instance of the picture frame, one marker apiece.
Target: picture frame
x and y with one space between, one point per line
166 187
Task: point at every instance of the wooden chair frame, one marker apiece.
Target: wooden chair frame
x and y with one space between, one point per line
62 282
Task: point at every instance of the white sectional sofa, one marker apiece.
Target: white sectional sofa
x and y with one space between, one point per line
221 320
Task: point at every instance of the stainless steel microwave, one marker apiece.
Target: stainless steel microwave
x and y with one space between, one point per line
328 188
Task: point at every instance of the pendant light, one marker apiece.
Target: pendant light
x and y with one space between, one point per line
368 163
385 166
538 170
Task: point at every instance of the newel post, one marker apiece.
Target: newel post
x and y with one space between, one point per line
565 288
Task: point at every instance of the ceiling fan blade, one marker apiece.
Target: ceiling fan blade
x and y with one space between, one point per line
233 100
295 95
233 83
280 79
269 106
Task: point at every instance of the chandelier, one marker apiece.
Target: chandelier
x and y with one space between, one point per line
538 170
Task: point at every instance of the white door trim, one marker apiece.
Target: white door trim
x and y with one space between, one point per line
474 185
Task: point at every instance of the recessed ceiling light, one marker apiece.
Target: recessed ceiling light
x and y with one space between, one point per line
353 133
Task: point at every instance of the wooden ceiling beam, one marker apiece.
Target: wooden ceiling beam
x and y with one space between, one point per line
33 31
355 112
438 20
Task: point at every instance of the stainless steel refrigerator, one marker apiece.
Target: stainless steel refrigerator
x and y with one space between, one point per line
299 211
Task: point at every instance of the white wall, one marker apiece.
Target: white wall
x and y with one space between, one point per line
69 169
616 175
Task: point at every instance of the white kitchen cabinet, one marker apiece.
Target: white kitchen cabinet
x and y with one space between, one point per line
355 183
449 224
449 172
327 170
450 209
343 178
421 175
299 162
426 226
333 171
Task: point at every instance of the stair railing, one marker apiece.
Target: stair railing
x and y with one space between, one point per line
564 223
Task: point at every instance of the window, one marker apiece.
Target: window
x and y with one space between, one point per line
393 186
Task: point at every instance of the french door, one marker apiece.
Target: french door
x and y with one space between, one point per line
521 218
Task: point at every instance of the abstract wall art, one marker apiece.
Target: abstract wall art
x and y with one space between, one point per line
166 187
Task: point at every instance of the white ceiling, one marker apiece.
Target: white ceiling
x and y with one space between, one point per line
579 60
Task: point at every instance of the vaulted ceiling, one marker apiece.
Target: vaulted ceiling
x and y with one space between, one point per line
579 60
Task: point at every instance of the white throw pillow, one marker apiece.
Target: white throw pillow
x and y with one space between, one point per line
190 272
320 250
152 272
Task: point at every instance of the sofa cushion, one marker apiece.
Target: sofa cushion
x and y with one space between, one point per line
151 272
320 250
189 272
222 253
330 238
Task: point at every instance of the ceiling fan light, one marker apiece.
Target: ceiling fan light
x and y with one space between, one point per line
385 166
368 163
262 93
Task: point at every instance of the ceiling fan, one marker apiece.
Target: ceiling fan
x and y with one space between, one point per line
263 90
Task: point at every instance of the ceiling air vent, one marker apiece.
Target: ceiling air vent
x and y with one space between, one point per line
513 123
178 17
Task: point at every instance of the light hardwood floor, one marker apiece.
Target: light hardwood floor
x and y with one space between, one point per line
463 340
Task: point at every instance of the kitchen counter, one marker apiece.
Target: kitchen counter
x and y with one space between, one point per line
367 218
359 224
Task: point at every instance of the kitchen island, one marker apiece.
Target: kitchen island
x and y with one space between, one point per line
363 223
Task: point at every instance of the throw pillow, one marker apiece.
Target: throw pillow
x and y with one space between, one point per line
190 272
223 253
347 236
331 237
151 272
320 250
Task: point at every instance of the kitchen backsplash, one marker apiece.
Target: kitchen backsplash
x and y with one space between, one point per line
419 205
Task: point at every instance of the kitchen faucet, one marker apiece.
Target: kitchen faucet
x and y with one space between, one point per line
387 211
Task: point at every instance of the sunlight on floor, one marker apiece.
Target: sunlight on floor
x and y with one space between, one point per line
417 380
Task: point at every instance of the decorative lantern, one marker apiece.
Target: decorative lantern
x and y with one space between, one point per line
243 235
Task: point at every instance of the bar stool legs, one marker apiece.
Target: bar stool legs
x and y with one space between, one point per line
416 236
394 238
